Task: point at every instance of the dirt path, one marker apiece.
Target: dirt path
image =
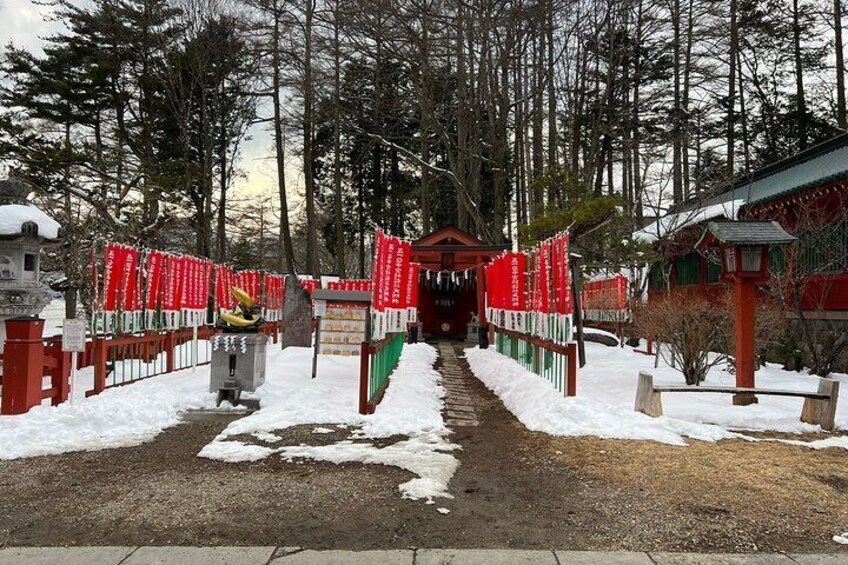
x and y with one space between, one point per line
514 488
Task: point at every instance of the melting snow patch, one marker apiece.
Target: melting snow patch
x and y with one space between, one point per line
443 510
235 451
117 417
420 455
267 437
841 539
411 407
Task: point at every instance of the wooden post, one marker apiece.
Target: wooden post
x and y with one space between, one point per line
23 365
571 383
99 363
822 412
170 352
578 310
364 353
482 331
61 377
648 401
745 310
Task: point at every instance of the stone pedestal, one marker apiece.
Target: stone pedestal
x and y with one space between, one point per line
241 356
473 332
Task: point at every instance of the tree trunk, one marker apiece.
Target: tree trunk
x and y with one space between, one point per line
801 105
841 118
676 141
313 263
337 149
731 90
279 146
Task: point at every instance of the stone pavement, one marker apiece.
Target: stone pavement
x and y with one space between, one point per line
459 408
270 555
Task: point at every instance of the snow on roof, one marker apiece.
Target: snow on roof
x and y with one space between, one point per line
673 222
14 216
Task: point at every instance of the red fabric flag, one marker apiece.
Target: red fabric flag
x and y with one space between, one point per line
153 267
518 270
112 275
129 279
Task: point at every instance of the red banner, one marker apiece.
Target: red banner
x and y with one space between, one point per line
224 279
410 286
605 299
249 281
517 264
172 267
112 270
309 284
154 273
390 271
564 303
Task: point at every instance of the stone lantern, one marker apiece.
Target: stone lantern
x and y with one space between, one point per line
24 231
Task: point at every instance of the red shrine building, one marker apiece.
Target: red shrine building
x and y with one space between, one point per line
451 281
806 193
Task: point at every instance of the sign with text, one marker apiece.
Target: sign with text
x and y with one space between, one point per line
73 335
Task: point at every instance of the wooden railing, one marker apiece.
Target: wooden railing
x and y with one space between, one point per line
376 363
555 362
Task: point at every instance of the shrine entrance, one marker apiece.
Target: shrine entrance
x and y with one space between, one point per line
451 286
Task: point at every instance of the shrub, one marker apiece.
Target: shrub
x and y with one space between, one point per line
695 333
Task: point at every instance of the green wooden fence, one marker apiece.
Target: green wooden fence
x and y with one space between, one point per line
376 364
554 362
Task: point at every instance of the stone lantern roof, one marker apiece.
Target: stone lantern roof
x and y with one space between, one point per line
20 220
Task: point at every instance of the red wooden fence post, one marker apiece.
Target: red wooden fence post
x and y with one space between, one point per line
571 381
99 362
23 365
170 351
61 375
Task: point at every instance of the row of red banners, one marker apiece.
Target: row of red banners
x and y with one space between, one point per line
154 289
394 285
531 292
362 285
605 300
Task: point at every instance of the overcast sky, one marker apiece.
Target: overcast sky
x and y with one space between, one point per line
22 23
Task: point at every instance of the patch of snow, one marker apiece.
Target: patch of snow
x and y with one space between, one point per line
14 216
670 223
836 441
411 406
267 437
320 430
117 417
420 455
606 393
841 539
237 451
442 510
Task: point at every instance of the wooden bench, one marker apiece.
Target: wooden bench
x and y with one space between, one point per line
819 407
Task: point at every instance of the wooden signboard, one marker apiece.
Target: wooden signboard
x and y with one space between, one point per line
343 329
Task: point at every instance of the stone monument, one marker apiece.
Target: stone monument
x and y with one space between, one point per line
297 315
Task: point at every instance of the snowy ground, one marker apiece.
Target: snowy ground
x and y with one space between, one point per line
132 414
606 392
411 407
117 417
